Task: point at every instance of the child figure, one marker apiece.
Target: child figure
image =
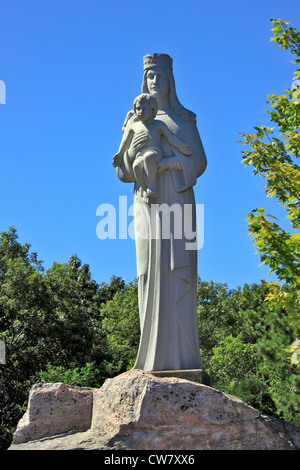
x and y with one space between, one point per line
148 157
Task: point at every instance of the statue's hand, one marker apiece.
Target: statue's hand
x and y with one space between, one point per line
138 141
186 149
117 159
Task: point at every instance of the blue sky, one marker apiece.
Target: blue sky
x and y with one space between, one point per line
72 69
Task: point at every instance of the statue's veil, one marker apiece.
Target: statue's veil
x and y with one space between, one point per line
174 102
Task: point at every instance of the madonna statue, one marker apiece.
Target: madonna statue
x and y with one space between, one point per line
166 266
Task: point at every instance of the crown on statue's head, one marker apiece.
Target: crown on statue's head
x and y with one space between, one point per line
157 60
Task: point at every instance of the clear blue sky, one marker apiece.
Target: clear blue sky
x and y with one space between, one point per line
72 69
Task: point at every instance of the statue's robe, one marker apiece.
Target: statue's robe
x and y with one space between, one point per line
166 269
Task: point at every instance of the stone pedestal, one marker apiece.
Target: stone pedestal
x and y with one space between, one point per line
194 375
140 411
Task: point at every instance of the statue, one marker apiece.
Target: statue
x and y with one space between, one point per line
162 155
146 159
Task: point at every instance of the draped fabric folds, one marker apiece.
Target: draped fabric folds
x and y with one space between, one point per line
167 270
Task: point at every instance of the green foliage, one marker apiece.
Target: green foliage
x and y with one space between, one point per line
120 324
86 376
49 321
273 154
231 358
244 347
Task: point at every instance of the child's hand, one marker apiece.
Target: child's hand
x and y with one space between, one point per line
186 149
117 160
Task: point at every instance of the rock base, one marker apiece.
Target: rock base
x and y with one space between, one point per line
194 375
142 411
55 409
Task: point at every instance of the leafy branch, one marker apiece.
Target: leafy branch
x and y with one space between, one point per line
273 153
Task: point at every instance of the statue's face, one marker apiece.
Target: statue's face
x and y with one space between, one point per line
143 110
157 83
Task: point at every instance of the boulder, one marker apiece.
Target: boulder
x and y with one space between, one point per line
55 409
140 411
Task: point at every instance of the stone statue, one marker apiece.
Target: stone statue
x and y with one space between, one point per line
164 166
146 159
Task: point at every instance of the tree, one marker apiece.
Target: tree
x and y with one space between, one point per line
243 345
121 326
51 325
273 153
23 304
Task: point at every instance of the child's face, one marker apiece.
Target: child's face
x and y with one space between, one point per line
143 110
